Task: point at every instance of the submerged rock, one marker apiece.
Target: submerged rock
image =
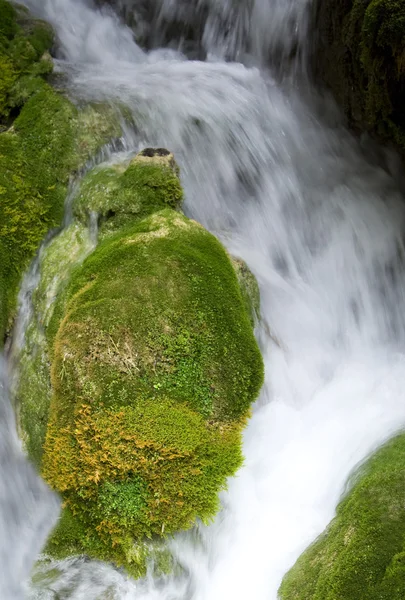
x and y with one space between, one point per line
153 369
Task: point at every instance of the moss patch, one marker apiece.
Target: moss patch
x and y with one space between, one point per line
33 392
154 368
361 556
49 140
118 194
23 59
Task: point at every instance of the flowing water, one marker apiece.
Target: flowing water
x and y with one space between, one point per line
284 186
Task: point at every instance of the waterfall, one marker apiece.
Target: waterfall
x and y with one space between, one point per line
286 187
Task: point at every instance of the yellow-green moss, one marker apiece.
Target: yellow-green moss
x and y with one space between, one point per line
154 368
48 141
23 43
34 386
361 556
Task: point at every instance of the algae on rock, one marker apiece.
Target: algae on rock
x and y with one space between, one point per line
153 370
361 555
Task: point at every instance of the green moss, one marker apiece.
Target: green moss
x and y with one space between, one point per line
177 272
375 34
154 368
123 499
71 537
50 140
34 385
8 77
249 288
8 17
97 124
23 42
120 194
361 554
33 181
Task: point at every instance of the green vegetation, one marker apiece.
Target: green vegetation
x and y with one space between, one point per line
154 368
118 194
49 140
361 556
23 57
361 56
64 252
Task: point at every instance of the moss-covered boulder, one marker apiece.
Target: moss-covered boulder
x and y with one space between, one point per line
120 193
49 140
153 368
359 54
361 556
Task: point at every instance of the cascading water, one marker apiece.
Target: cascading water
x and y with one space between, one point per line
321 227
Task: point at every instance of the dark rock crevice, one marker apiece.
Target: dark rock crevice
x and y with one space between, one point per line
359 54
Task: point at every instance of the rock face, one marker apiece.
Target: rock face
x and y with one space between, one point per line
359 54
361 556
43 140
158 24
154 367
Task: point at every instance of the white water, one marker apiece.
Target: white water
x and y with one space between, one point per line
322 230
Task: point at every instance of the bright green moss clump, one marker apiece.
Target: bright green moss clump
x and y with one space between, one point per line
23 58
361 556
154 368
47 143
118 194
49 140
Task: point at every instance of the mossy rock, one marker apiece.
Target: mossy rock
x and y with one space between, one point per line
24 60
121 193
361 556
50 140
249 289
57 261
154 367
360 54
